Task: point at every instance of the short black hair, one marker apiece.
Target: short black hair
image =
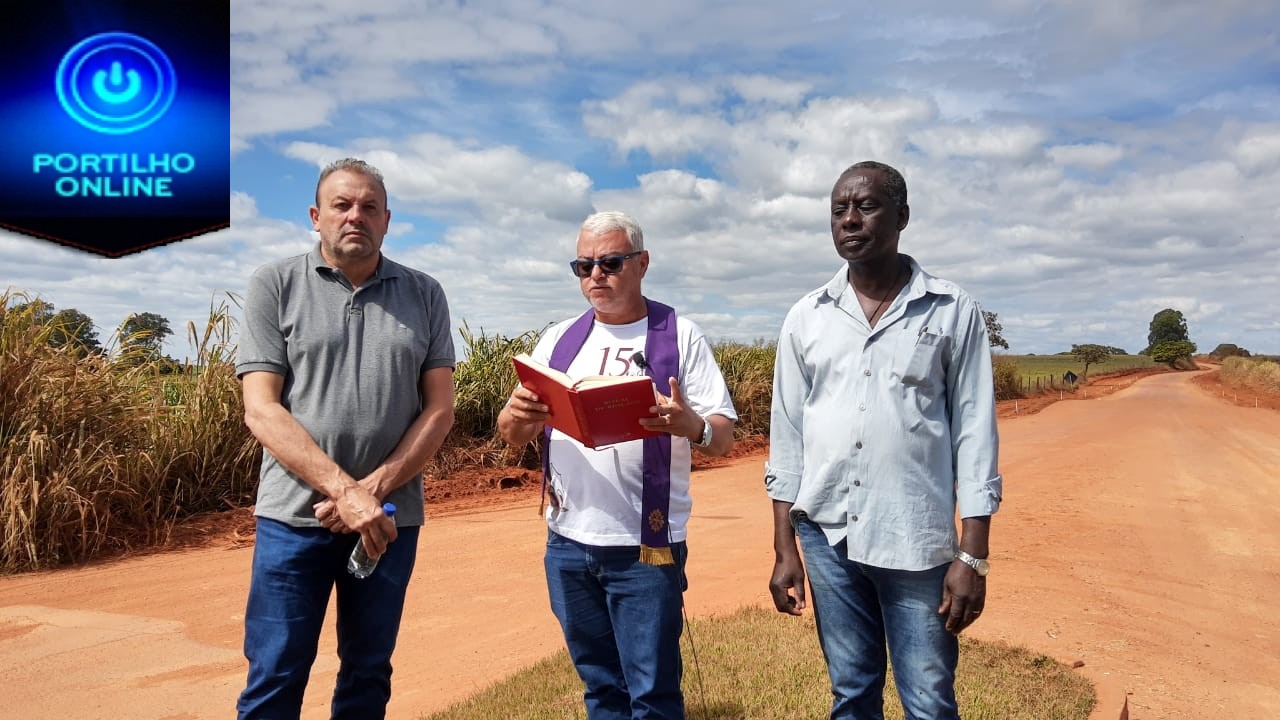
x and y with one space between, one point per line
895 185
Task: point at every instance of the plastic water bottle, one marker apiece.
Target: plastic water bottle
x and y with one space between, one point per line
361 564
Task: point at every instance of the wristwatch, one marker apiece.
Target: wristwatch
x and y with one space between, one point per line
979 565
706 435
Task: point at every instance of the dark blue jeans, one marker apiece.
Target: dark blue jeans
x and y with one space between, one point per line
622 624
294 570
860 608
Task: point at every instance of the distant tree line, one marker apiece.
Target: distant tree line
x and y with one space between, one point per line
140 338
1168 342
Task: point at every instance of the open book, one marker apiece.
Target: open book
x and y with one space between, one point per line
595 410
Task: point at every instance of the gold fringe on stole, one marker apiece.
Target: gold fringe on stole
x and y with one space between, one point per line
656 556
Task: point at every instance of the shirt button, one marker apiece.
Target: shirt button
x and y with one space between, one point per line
857 483
867 372
862 407
858 444
855 518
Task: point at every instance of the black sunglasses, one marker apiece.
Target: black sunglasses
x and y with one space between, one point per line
610 264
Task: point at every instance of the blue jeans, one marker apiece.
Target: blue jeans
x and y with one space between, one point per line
622 624
858 608
294 570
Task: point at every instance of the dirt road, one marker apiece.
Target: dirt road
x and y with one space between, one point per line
1140 534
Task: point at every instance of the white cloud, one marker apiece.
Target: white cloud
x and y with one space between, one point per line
1259 149
1091 155
1007 143
1072 187
243 207
433 172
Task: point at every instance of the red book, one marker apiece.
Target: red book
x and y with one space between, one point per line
595 410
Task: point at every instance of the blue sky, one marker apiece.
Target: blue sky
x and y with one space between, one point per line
1075 166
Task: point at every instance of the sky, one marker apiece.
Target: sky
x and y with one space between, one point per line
1077 167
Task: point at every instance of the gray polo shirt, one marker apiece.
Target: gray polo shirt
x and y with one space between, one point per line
351 360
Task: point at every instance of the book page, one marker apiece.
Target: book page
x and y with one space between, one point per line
600 380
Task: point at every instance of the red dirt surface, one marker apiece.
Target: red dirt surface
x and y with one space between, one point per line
1137 539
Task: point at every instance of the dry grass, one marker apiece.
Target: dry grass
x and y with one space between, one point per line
1007 377
103 453
759 665
1251 373
748 371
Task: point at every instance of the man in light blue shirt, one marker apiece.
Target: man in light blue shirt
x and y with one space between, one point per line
883 427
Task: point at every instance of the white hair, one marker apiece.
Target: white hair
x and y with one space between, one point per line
603 223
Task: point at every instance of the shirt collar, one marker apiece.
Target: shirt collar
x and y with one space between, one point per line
920 284
386 268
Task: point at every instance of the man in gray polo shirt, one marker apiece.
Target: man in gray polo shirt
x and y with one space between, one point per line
346 363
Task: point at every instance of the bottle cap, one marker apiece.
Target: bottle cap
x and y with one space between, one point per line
389 509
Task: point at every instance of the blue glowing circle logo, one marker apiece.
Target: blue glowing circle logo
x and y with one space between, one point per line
116 83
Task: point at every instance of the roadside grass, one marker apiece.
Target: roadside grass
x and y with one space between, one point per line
756 664
1251 373
1033 366
1029 374
104 453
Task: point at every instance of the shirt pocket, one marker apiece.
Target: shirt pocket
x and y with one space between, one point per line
923 366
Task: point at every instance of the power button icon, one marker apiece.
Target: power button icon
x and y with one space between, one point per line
115 83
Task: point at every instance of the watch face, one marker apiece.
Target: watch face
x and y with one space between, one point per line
983 567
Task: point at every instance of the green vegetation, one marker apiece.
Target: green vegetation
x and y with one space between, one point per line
748 371
1169 326
1037 373
1090 354
482 382
762 665
1173 351
142 337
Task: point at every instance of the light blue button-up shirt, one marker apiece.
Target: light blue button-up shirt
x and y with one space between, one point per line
880 435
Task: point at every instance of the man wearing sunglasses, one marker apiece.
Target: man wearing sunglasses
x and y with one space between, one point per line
616 542
883 427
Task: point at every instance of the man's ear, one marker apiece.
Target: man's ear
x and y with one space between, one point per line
904 215
315 217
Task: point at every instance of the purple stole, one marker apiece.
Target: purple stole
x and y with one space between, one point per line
663 354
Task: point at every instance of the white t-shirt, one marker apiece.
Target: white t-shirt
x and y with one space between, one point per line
599 491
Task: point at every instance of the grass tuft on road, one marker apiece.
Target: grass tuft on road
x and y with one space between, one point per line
759 665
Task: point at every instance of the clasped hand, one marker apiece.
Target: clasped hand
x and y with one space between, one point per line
358 510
